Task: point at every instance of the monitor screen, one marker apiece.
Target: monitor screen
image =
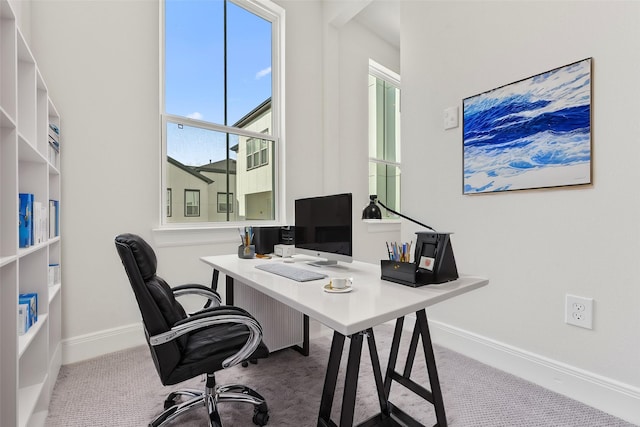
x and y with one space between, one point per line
323 227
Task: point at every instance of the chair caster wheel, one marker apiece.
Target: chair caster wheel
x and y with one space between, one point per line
261 418
245 364
261 415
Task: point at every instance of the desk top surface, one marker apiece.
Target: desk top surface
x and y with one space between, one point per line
371 302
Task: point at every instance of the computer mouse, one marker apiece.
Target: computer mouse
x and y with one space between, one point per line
288 260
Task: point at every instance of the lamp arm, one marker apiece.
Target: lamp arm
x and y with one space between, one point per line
405 217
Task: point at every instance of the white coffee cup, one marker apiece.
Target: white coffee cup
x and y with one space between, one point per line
340 282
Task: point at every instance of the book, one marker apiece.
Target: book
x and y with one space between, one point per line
54 274
54 133
37 223
31 300
25 220
54 218
23 319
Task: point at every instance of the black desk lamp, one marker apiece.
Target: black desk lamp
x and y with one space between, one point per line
372 211
434 259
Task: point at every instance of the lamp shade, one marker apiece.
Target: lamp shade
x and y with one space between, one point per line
372 211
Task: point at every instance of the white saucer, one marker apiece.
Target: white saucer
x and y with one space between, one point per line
336 291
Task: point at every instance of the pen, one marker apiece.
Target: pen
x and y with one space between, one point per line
389 251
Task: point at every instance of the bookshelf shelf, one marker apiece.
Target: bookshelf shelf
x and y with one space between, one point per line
6 260
25 340
29 163
28 397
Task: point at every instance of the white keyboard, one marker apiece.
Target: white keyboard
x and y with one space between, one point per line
290 272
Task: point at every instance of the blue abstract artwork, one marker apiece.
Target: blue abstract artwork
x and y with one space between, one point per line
534 133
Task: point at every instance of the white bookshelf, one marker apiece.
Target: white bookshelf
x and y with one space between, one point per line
29 363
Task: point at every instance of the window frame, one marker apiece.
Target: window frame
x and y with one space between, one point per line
194 191
262 152
228 202
274 13
381 72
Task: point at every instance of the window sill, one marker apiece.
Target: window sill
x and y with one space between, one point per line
189 236
382 225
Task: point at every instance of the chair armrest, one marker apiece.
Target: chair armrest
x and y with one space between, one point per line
212 296
216 316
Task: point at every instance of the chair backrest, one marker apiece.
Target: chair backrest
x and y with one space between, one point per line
158 306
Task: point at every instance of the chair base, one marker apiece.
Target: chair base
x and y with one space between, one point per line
210 398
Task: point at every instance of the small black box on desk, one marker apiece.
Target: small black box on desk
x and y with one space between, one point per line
434 262
266 237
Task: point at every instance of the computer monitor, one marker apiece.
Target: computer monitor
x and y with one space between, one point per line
323 228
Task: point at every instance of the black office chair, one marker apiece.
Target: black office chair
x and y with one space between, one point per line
184 346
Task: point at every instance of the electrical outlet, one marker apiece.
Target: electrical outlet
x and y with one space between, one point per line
579 311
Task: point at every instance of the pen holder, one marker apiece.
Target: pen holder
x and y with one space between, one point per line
400 272
246 251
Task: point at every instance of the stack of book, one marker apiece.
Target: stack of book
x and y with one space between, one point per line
27 312
37 221
54 144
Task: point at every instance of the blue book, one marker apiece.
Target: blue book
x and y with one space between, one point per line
25 223
31 300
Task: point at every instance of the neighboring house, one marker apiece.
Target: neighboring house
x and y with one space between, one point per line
199 193
218 204
256 179
201 183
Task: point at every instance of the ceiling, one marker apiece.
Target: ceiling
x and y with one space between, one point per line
382 17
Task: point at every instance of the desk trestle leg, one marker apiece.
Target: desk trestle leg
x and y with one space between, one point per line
421 330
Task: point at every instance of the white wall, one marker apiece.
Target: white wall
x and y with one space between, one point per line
534 246
99 59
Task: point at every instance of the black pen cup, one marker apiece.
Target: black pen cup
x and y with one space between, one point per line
246 252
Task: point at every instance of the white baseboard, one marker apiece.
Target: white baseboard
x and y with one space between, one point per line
608 395
88 346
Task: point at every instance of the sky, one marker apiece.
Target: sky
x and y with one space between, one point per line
194 73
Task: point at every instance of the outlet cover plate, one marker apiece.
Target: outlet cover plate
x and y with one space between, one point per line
579 311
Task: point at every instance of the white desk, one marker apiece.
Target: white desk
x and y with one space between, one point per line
371 302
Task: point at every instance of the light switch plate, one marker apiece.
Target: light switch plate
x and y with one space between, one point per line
450 118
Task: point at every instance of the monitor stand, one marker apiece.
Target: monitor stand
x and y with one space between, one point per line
323 263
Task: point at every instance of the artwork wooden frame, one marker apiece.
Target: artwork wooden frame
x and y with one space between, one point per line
533 133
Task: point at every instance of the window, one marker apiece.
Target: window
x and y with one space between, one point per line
257 153
384 136
191 202
168 202
224 204
222 108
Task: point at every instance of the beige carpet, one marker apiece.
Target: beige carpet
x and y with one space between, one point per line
122 389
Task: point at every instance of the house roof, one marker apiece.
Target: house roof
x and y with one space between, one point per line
253 114
189 169
218 167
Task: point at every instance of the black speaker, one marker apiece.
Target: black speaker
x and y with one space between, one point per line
265 238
